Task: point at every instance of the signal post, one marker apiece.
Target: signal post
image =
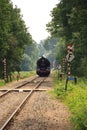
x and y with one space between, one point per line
69 57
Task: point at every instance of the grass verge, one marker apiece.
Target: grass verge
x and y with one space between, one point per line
75 98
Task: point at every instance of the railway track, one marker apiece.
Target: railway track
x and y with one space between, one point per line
32 108
31 87
3 92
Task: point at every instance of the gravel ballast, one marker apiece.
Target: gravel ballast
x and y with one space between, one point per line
42 113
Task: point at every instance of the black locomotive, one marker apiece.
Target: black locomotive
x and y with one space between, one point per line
43 67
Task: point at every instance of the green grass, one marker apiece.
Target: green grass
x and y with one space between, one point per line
2 83
26 74
75 98
23 74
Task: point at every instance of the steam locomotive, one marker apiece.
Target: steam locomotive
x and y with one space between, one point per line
43 67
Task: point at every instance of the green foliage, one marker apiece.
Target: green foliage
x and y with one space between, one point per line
25 65
69 22
5 12
30 57
41 48
2 83
23 74
60 51
26 74
77 102
13 37
47 48
83 68
76 99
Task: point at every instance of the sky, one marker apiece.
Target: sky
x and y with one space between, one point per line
36 14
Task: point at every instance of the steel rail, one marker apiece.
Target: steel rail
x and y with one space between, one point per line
19 86
19 108
26 83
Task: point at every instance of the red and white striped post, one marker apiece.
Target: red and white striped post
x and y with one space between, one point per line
5 77
63 66
69 58
68 70
69 49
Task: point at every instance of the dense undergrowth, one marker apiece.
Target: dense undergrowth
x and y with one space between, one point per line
75 98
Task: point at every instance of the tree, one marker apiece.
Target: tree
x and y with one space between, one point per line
69 22
14 36
47 47
5 14
30 57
